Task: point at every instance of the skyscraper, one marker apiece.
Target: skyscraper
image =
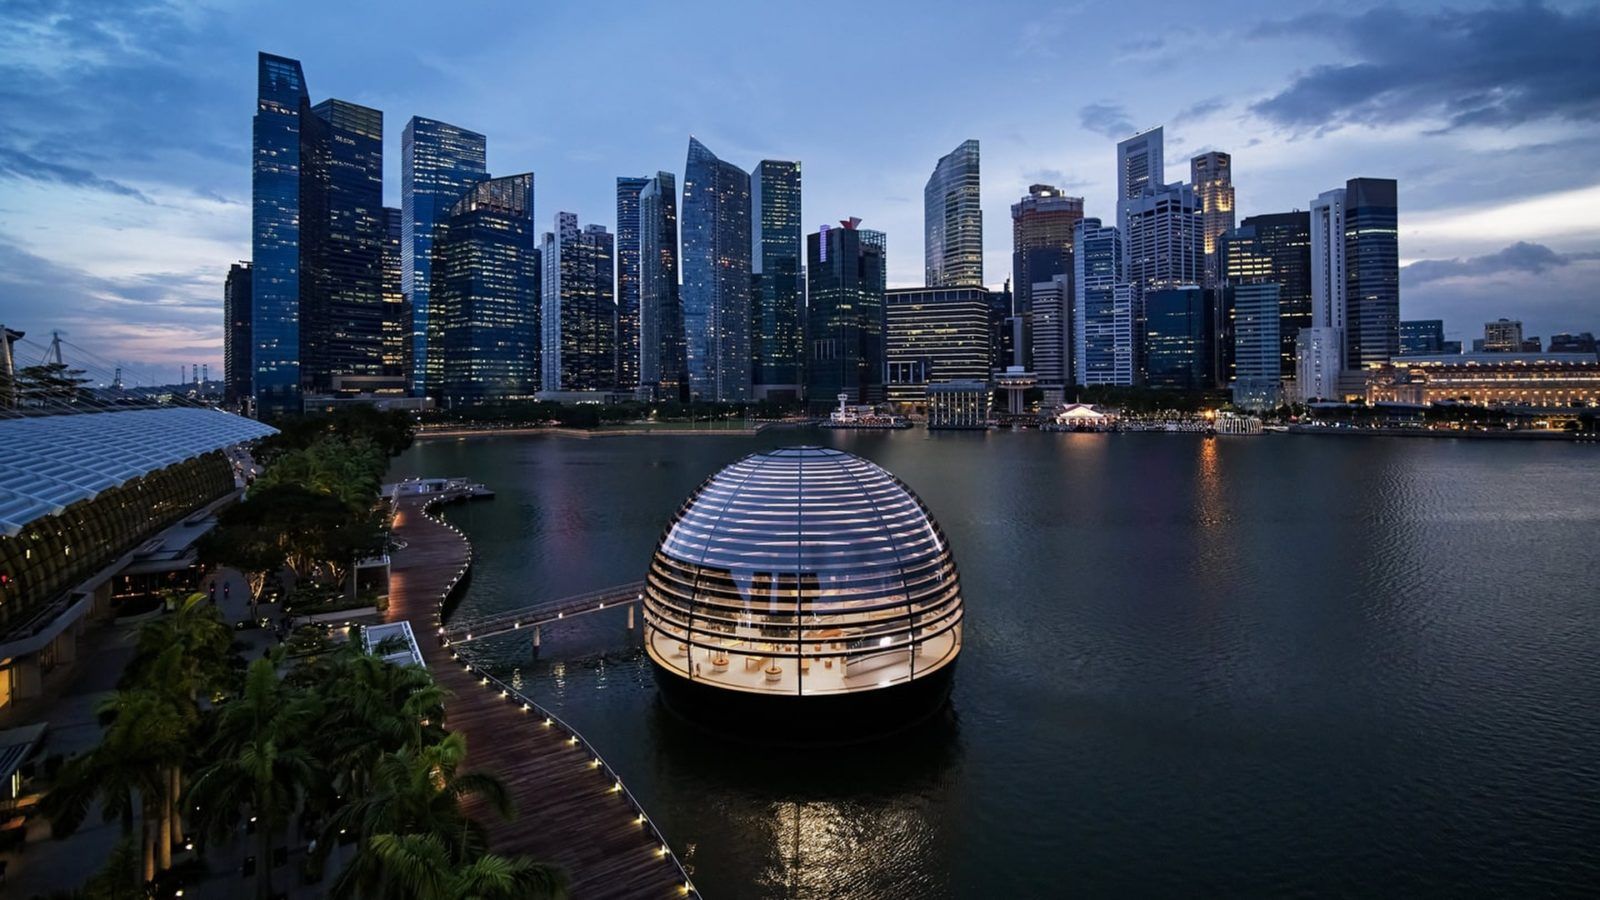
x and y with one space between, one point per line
1274 247
396 312
1163 247
1502 336
1212 176
439 163
275 233
934 335
776 332
342 232
1140 165
952 220
1316 376
845 316
579 319
1256 346
662 363
1041 239
1178 338
1053 343
1102 308
1423 336
716 276
1372 272
485 291
236 320
628 281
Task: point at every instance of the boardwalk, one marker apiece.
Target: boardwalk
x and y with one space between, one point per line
572 810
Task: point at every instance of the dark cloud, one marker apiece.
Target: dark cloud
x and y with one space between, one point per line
1499 67
16 164
1201 109
1519 258
1109 119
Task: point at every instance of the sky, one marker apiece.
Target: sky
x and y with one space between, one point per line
125 127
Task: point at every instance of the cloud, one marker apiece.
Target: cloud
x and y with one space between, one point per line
17 164
1519 258
1055 178
1200 109
1496 67
1109 119
1559 297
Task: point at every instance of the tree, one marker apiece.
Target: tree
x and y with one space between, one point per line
286 525
420 867
48 383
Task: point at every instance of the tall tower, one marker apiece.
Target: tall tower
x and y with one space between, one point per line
1041 240
1102 326
716 276
662 365
628 189
845 316
1372 272
1319 349
579 313
779 295
236 343
1212 176
275 233
952 220
1140 164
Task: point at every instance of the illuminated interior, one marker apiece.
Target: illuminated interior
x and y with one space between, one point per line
803 571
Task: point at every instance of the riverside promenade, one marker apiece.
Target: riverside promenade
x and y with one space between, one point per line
572 809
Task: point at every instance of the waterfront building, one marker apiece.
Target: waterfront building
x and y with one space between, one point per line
1421 336
1212 176
1164 248
396 312
663 368
952 220
439 163
934 335
578 318
1328 286
1052 334
627 290
716 276
845 350
89 495
275 233
1002 350
1319 357
1372 272
1141 166
1583 342
1041 239
1257 375
1549 381
1102 307
959 405
1274 247
485 292
1502 336
812 530
236 344
1178 338
777 340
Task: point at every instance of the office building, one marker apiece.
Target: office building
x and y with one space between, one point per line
716 276
1051 329
934 335
485 292
275 233
396 312
1583 342
439 164
1041 239
236 319
845 350
1140 167
1257 369
1422 336
627 289
952 221
1211 174
1547 381
1274 247
1372 272
1002 352
1102 307
1164 248
1502 336
776 259
578 320
663 369
1328 307
959 405
1178 339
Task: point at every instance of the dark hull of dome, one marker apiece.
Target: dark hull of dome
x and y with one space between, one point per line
817 719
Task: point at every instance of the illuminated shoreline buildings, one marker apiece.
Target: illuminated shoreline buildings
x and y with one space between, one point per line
627 290
1211 174
777 289
663 368
236 344
1102 307
1041 239
1372 272
275 233
578 319
1140 165
934 336
952 220
716 276
845 269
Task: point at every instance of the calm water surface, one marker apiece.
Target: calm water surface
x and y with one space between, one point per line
1282 664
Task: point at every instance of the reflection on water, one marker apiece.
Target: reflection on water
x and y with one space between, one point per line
1276 664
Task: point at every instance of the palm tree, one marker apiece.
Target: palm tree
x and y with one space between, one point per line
261 765
420 867
376 708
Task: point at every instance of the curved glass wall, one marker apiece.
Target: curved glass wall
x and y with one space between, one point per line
803 571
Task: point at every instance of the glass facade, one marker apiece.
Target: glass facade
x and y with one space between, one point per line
1427 336
1212 177
776 339
716 276
1041 239
845 315
275 233
1051 318
1177 337
934 335
627 292
1253 310
1102 321
952 220
236 320
579 318
439 163
396 312
802 571
1372 272
662 364
485 292
1275 247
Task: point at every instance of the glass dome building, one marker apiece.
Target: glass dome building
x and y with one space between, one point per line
805 590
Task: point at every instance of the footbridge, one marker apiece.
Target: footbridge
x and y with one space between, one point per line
476 628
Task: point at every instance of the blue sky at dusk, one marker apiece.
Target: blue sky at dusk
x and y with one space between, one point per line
125 127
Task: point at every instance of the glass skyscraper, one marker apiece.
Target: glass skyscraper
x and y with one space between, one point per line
934 335
439 163
579 324
236 319
845 354
662 366
952 220
1212 176
396 312
1426 336
485 290
1178 338
1274 247
1372 272
1102 308
716 276
778 293
275 233
1141 166
1041 239
628 189
1256 346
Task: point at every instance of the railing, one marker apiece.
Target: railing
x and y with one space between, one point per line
537 614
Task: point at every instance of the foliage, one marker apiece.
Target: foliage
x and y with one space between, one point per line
295 527
49 383
590 415
389 431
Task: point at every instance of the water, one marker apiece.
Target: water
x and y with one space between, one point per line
1268 665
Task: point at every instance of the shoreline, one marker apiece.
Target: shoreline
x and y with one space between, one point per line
1431 433
585 434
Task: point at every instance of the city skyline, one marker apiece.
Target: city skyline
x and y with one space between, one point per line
1479 239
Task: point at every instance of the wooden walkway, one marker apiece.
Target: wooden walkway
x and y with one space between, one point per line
572 810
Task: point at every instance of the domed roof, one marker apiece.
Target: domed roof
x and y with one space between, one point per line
803 554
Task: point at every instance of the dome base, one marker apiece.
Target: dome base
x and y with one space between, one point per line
815 719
